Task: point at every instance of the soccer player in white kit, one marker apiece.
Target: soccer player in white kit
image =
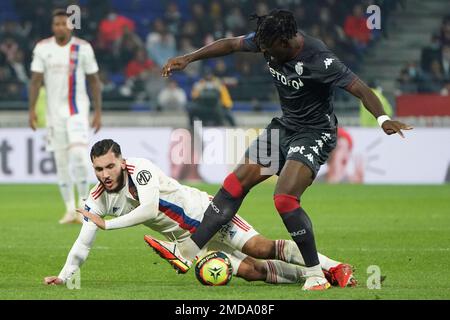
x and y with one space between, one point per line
62 63
135 191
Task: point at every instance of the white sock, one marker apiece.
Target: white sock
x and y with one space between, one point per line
282 272
66 187
314 271
189 249
80 169
287 250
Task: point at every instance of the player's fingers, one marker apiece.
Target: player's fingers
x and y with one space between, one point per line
406 127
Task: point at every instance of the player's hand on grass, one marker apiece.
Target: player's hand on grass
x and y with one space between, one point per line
99 221
97 122
174 64
53 280
393 126
33 119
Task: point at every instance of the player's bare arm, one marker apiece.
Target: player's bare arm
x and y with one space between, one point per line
96 91
218 48
360 90
37 79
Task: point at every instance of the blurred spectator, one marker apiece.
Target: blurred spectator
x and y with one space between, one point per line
445 62
112 28
410 78
118 38
235 21
200 19
127 46
140 64
430 53
445 31
172 97
154 84
17 64
356 29
212 101
9 48
160 43
433 80
173 18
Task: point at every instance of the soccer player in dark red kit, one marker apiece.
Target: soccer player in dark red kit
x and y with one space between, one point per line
305 73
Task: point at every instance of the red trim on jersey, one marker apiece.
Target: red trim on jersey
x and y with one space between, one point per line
350 85
130 169
97 189
241 224
97 193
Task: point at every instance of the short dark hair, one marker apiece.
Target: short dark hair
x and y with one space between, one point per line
102 147
278 24
59 12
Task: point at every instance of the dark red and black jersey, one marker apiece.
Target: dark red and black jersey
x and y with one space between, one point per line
306 83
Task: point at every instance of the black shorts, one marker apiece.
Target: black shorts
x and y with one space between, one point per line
276 144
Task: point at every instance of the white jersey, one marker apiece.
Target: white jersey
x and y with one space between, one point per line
159 202
64 69
174 210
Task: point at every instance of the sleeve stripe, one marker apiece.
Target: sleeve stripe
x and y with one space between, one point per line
348 87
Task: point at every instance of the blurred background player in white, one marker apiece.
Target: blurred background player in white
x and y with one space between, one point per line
135 191
62 63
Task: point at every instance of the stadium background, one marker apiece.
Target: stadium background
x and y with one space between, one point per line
400 228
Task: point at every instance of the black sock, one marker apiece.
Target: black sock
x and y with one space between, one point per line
220 211
300 228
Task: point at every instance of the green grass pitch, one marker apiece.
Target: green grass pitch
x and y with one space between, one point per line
405 230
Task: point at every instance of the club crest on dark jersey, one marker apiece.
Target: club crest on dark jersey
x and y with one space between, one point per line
143 177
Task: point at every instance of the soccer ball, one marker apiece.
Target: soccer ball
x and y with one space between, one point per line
214 269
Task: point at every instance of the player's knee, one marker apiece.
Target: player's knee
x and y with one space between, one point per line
286 203
259 247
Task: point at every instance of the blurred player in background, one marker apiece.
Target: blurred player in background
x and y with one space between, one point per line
135 191
305 73
62 63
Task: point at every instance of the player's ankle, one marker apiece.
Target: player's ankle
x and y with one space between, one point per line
189 249
314 271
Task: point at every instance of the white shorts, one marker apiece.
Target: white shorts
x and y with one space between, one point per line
231 238
74 130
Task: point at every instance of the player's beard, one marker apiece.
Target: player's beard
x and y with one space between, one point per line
120 183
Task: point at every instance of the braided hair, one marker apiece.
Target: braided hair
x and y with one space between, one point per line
278 24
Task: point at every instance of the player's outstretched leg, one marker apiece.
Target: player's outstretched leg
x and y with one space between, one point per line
259 247
337 273
223 207
294 178
270 271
